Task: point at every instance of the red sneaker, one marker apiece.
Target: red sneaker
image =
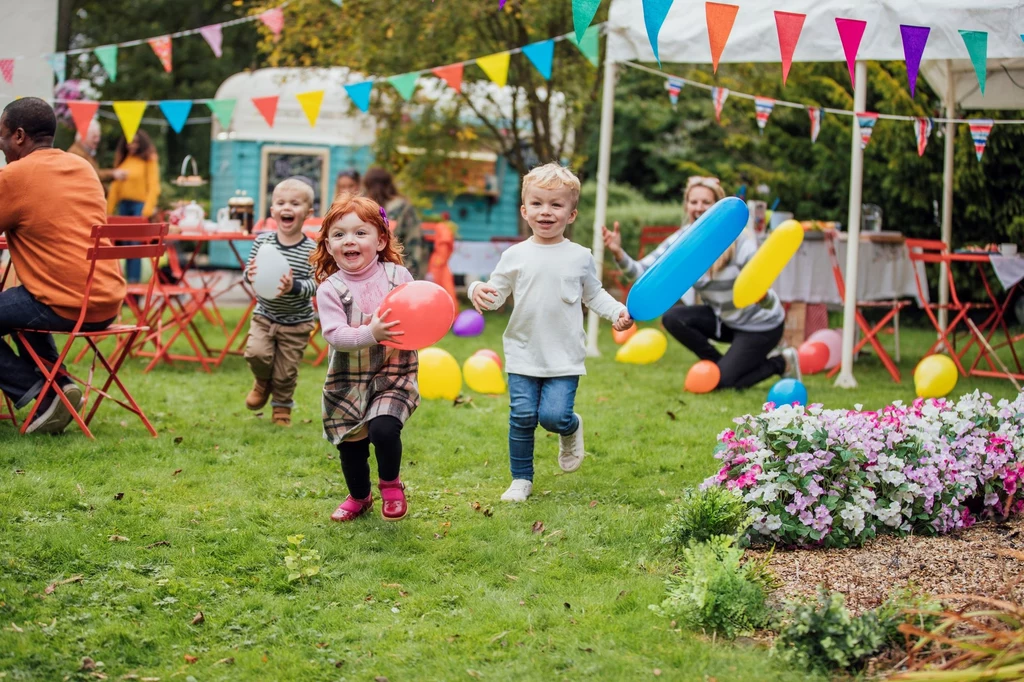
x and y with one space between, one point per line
352 508
392 500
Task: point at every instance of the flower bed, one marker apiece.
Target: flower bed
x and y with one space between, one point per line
837 478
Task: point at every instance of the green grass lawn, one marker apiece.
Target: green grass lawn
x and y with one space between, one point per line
466 587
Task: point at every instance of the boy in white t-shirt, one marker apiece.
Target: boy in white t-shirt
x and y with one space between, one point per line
550 279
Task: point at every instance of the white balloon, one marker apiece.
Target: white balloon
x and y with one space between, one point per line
271 266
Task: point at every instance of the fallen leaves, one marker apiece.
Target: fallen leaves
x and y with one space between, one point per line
54 585
230 660
118 497
190 659
176 472
88 664
198 618
487 511
178 440
593 503
538 527
671 414
117 538
159 543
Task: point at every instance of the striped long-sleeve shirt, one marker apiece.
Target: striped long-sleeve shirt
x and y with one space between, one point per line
296 306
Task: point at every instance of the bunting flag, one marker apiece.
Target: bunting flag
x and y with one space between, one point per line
763 107
980 129
268 107
7 70
58 62
914 39
452 75
310 102
82 113
589 45
850 33
107 56
922 130
274 20
720 19
130 116
866 123
223 109
788 25
977 48
718 96
405 84
359 93
176 112
162 47
214 38
655 12
674 87
542 56
583 12
816 114
496 67
501 4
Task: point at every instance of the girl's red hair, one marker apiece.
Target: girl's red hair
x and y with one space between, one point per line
369 211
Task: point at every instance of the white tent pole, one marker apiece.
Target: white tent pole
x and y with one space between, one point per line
947 189
860 99
604 169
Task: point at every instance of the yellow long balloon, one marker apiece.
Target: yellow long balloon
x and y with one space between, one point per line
760 273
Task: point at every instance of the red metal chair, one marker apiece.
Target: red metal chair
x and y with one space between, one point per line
6 406
650 237
150 238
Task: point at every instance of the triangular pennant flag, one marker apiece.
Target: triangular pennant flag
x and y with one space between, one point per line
501 4
866 122
674 87
162 47
922 131
788 25
214 37
310 102
655 12
274 19
541 55
223 109
107 56
58 62
82 113
914 39
977 47
176 112
720 20
718 96
583 12
360 94
130 116
268 107
405 84
452 75
850 33
980 129
589 45
816 114
763 107
496 67
7 70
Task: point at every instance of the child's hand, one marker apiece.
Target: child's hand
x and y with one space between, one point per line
483 297
612 239
623 323
250 271
286 284
380 329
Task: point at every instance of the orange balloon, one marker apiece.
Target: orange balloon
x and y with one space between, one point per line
703 377
424 311
622 337
487 353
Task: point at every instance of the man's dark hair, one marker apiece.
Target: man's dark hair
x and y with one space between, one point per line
32 115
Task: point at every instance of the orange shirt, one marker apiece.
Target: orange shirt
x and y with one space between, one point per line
49 201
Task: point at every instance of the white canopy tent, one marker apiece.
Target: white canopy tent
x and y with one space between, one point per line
754 38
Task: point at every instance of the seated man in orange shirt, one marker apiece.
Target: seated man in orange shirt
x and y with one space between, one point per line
50 201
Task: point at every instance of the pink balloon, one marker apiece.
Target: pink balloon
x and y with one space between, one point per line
833 338
424 312
490 354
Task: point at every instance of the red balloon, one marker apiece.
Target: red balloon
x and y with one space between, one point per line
813 357
424 311
487 353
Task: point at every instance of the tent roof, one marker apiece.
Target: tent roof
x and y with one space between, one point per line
1004 84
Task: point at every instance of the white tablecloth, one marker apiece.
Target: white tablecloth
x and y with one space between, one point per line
1009 269
476 259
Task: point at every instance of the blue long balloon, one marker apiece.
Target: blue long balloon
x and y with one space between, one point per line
687 259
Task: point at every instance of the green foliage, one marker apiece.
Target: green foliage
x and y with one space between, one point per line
715 591
703 514
301 562
629 208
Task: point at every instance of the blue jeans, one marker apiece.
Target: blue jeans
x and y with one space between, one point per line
133 267
19 377
534 400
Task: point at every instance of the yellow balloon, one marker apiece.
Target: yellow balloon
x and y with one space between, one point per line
483 375
935 377
439 376
643 348
763 269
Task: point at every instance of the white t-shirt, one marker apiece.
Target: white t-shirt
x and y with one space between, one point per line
545 336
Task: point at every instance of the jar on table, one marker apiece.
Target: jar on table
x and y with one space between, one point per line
241 207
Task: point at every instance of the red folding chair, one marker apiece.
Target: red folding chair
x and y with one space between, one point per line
150 238
650 236
6 406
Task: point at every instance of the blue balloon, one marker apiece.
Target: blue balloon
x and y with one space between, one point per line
693 254
787 392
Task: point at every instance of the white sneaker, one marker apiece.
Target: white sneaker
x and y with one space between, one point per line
570 449
792 359
518 491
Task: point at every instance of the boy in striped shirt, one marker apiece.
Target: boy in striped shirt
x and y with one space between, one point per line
281 326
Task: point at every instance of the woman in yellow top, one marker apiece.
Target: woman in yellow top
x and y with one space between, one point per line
136 195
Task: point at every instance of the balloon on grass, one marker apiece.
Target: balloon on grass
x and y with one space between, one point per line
439 375
488 353
813 357
423 310
646 346
624 336
483 375
788 392
833 339
703 377
935 377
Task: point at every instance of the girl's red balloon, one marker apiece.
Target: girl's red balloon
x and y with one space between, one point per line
488 353
813 357
703 377
423 310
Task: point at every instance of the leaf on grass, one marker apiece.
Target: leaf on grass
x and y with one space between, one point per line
338 664
593 503
307 421
160 543
117 538
54 585
657 672
88 664
198 618
473 673
230 660
671 414
191 659
178 440
499 636
176 472
81 490
538 527
118 497
321 645
511 577
476 506
150 679
602 399
19 472
567 605
15 628
380 678
488 512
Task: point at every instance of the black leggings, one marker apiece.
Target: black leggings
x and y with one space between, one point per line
386 436
745 363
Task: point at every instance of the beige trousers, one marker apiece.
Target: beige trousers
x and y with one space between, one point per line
274 352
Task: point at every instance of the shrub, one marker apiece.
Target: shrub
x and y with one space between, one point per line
703 514
627 206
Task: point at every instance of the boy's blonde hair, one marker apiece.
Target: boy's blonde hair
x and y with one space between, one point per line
552 176
295 183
